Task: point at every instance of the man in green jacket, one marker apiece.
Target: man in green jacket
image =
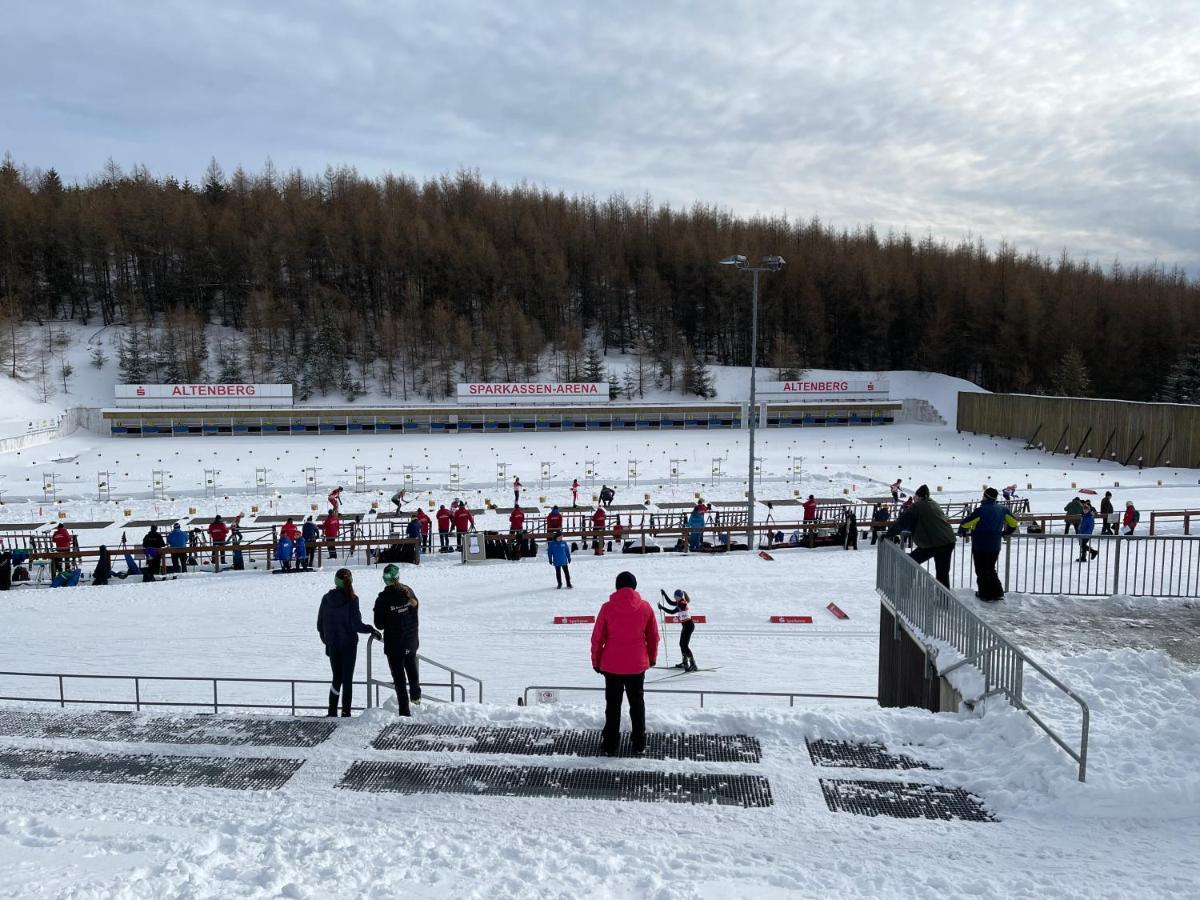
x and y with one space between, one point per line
1074 511
930 531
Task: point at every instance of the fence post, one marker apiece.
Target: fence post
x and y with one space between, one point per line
216 706
62 700
1117 564
137 693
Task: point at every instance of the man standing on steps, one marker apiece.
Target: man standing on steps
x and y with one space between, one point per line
624 646
930 531
396 617
988 525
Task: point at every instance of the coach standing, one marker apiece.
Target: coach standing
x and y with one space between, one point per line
624 646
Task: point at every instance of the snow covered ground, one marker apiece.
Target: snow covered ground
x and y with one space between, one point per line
1131 830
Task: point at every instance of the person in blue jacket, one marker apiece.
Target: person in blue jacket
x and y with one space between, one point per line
300 554
339 623
559 554
178 540
311 533
283 552
988 525
695 524
1086 528
413 531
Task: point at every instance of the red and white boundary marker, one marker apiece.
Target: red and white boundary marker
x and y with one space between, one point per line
574 620
837 611
699 620
792 620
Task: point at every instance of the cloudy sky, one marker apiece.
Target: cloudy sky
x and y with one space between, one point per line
1071 124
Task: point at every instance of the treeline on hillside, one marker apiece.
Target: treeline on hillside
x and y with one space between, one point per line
340 281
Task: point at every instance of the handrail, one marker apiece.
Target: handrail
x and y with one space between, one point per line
215 704
454 673
791 695
931 612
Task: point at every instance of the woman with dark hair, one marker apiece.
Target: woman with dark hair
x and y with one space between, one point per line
339 623
103 570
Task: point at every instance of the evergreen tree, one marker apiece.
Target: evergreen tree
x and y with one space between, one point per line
1071 377
697 379
1182 384
785 358
229 362
98 359
133 356
614 386
593 365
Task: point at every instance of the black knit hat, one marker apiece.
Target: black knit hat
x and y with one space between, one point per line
991 493
923 491
626 580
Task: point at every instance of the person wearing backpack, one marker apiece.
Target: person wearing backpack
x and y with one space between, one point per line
395 615
339 623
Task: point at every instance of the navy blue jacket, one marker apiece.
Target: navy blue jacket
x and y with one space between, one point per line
310 532
339 621
989 523
414 529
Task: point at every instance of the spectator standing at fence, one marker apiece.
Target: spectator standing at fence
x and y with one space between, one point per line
331 528
930 531
413 533
178 541
516 521
1106 515
395 614
879 520
426 528
152 547
1074 511
810 509
1131 518
988 525
289 530
1087 526
444 519
598 519
218 533
681 609
559 554
624 646
695 524
104 569
574 492
554 520
312 536
61 539
335 499
339 623
850 524
516 491
463 520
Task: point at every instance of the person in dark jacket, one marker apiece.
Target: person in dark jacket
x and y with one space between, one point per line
104 569
559 554
178 539
396 617
695 524
311 532
1106 515
987 525
152 546
1074 511
624 646
850 526
1085 530
879 520
413 532
930 531
339 623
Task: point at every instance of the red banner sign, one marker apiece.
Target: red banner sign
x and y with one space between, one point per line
574 620
792 620
837 611
699 620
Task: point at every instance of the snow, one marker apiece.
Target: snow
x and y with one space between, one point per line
1131 830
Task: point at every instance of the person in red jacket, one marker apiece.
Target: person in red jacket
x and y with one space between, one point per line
463 520
553 521
426 528
810 509
289 530
598 518
624 646
330 527
444 518
61 538
574 492
218 533
335 499
516 520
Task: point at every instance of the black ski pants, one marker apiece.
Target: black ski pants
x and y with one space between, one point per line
685 640
559 572
986 578
941 560
615 688
444 537
341 664
406 678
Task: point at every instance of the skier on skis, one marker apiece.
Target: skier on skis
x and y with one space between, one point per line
335 499
516 491
682 611
896 491
574 492
398 500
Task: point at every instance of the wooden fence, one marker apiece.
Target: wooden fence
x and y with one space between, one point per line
1125 432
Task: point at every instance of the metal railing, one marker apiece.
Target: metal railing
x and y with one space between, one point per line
931 613
791 695
374 684
1134 565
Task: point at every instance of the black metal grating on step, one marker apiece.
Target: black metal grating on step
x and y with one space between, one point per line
723 748
230 731
169 771
852 755
569 784
902 800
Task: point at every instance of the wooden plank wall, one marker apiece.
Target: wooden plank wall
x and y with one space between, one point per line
1065 422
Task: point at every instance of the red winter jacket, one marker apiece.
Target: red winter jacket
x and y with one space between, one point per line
61 538
426 522
554 521
330 526
516 519
462 518
625 636
598 518
810 510
218 531
444 516
289 530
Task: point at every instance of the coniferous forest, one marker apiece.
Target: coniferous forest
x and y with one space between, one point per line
339 281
